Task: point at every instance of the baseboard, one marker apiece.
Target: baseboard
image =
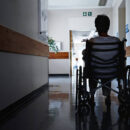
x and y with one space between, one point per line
18 105
58 74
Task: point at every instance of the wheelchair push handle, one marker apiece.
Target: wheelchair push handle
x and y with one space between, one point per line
124 40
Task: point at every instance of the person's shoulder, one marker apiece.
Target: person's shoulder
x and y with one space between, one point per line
90 40
93 39
116 39
100 39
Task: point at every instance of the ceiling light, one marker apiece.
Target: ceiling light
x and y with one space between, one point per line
102 2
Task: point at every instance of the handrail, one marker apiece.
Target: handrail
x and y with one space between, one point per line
14 42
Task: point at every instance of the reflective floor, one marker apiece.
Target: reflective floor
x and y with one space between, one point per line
54 109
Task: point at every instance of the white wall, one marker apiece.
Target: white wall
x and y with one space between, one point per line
122 23
60 66
116 18
59 24
20 74
116 6
21 16
61 21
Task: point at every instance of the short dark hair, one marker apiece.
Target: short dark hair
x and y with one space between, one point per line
102 23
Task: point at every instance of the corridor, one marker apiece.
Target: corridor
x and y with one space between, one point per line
41 44
54 109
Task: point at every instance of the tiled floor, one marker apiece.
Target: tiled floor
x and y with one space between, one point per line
55 110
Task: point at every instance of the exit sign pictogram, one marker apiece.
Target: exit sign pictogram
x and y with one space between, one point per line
84 13
89 13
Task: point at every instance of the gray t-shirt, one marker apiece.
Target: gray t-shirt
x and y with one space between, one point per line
106 40
104 56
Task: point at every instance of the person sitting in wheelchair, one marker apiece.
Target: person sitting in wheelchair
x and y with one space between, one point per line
104 52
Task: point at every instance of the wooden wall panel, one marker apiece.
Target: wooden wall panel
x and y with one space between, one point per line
14 42
128 51
55 96
59 55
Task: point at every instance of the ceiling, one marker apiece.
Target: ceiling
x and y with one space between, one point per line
70 4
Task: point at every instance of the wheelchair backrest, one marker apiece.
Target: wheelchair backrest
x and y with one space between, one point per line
105 60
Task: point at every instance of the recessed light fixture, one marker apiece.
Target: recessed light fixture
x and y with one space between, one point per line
102 2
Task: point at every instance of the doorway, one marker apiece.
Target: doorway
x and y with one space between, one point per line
77 45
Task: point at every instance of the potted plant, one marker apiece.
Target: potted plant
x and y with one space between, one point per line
52 45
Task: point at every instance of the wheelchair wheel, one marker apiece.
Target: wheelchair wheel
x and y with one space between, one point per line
84 109
124 111
80 85
124 96
128 77
84 97
80 76
84 78
77 87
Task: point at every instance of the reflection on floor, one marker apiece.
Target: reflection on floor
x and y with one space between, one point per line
55 110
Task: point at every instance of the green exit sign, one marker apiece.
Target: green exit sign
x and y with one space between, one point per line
89 13
84 13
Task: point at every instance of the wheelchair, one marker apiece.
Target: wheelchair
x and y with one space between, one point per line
96 69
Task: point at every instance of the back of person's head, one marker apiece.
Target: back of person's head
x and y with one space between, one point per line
102 23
